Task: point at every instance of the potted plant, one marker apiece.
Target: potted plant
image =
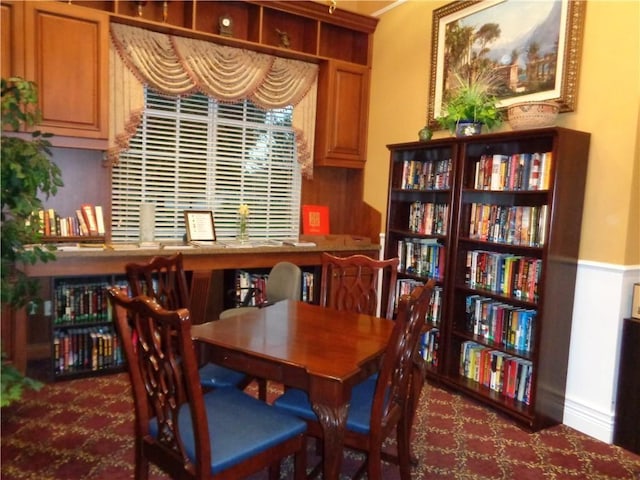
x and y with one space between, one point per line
27 175
470 104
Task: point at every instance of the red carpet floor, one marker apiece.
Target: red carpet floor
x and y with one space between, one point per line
83 429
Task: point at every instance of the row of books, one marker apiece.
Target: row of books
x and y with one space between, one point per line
501 323
521 171
250 288
504 273
247 281
429 347
514 225
85 349
429 218
424 257
426 175
87 221
404 286
308 288
80 302
505 374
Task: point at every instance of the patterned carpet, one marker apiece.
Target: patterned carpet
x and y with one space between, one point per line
82 429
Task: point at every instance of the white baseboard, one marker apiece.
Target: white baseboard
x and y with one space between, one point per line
590 421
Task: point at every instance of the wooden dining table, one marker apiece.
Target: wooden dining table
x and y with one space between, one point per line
320 350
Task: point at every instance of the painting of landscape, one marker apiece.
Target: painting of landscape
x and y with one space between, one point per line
520 44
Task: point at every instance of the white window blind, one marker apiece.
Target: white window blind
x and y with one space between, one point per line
194 153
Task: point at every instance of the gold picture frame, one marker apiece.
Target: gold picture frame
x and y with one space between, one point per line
560 65
635 306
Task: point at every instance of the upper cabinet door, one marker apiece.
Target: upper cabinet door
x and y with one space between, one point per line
12 53
67 55
342 115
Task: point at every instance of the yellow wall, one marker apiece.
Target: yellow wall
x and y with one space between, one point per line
608 106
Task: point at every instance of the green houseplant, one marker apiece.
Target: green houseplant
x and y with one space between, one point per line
27 175
471 100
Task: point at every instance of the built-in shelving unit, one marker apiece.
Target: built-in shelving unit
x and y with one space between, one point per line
84 339
309 27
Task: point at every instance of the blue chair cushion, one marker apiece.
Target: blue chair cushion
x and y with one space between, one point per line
217 376
296 402
240 426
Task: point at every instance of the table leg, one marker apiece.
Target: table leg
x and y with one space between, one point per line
333 420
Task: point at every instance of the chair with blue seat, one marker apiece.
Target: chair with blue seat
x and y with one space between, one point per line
380 404
352 283
188 434
164 279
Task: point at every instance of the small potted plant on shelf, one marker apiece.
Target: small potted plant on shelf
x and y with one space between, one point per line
27 175
470 104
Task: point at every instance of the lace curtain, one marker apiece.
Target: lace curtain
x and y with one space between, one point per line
181 66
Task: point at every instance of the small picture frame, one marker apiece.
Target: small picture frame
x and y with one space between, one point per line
200 226
635 307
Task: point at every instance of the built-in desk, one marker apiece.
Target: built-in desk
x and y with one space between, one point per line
93 261
200 260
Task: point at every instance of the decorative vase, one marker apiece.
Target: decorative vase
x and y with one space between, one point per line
466 128
243 228
425 134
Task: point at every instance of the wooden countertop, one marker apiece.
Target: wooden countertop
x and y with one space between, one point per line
97 261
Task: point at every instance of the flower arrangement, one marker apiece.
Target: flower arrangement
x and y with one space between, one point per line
243 213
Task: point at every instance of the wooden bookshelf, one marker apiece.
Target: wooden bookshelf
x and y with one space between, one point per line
512 323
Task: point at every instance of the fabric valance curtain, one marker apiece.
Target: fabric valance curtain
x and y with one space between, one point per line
181 66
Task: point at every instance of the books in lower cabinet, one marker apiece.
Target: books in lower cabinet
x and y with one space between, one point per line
84 337
250 287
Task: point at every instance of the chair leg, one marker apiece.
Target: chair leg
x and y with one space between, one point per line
300 463
262 389
142 464
374 464
404 449
274 471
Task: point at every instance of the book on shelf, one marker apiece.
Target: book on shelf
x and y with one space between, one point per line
52 224
89 214
99 219
519 171
503 373
84 229
315 220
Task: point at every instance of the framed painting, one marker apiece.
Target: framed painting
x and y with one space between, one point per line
532 47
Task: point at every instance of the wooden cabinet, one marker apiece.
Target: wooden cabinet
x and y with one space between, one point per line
512 212
66 52
64 48
342 115
340 42
627 424
12 46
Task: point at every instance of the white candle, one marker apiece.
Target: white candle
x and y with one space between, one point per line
147 222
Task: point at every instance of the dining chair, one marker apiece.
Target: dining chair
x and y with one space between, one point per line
188 434
352 283
283 283
163 278
379 404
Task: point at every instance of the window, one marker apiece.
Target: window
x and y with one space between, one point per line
195 153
